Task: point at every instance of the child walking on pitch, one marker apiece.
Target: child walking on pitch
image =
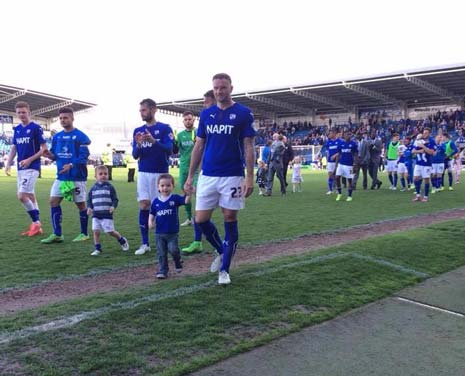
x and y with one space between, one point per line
297 176
164 217
261 177
101 203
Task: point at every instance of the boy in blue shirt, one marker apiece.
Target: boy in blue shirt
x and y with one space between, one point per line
164 217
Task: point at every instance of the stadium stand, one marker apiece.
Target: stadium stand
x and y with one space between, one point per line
404 91
44 107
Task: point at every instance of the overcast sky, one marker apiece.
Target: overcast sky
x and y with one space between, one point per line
116 54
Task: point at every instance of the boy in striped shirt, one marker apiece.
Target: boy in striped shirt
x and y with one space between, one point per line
101 203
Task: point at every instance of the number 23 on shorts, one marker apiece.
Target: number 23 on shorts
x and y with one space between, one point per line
236 192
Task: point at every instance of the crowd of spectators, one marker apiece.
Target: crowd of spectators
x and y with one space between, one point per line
304 133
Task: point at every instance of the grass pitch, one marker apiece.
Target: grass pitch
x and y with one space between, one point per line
194 322
24 261
177 326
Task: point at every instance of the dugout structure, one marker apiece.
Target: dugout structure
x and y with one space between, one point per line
401 91
44 107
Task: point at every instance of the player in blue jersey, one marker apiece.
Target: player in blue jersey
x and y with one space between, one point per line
70 151
28 144
152 145
405 157
347 155
164 217
331 146
225 144
424 149
438 163
409 160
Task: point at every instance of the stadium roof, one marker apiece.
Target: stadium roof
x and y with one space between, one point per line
428 87
43 105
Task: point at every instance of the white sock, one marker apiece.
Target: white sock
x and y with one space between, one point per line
28 205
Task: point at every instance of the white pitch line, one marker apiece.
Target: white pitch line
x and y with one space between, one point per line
69 321
389 264
429 306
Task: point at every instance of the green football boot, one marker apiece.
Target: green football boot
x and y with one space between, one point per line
53 239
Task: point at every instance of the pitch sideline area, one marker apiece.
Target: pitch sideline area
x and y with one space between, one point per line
419 331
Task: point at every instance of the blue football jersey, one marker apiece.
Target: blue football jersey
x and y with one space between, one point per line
424 159
165 211
71 147
346 152
440 155
27 140
224 132
409 157
154 157
331 148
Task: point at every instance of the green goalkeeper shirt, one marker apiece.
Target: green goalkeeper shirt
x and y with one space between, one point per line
185 140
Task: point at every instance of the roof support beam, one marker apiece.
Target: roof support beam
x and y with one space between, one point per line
433 88
322 99
263 114
53 107
196 108
10 97
386 99
280 104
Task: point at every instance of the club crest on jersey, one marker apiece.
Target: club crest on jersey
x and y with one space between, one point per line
171 136
28 131
74 137
156 132
232 116
171 203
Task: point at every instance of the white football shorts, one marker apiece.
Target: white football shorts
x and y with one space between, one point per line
391 165
105 225
80 193
331 167
438 168
26 180
345 171
402 168
422 171
147 186
224 191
